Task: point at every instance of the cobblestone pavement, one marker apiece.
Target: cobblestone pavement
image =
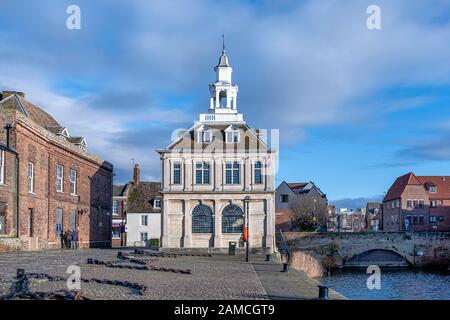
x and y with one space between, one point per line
216 277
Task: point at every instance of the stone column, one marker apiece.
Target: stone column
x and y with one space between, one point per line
235 101
228 100
187 175
217 174
217 224
217 99
270 224
211 103
247 173
167 174
165 223
187 224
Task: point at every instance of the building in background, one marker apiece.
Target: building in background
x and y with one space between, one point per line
374 216
417 203
351 221
61 185
332 222
119 214
217 175
287 193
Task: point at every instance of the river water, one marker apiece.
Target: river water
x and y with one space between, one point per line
399 284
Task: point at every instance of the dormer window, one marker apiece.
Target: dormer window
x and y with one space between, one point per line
204 134
232 134
432 188
157 203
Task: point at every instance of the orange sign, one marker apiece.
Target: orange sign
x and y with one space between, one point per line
245 234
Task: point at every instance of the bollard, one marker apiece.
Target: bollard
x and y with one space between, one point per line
323 292
285 267
90 261
119 255
267 257
20 273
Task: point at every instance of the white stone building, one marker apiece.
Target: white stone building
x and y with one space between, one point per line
213 172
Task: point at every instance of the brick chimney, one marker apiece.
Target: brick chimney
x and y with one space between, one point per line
136 175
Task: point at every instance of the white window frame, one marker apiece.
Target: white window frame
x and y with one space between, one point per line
30 177
60 179
141 238
176 169
233 134
146 220
205 168
2 167
73 183
157 204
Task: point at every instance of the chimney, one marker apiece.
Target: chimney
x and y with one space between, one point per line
136 175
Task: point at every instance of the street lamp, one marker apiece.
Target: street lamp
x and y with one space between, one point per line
247 224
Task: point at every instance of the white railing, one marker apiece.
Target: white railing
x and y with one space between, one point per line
209 117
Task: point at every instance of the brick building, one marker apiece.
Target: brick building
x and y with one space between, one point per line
418 203
48 181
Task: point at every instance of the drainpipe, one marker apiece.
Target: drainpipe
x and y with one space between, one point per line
8 128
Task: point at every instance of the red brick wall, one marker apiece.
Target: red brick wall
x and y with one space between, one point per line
92 202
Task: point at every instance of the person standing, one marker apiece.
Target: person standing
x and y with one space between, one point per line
69 239
75 238
62 238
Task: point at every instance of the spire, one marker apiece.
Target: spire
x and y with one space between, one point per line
223 60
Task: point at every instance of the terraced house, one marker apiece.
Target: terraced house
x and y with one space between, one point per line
49 182
218 175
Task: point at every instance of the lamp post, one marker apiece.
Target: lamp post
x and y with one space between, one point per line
247 224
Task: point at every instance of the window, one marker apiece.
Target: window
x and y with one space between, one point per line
415 219
202 219
232 219
202 170
116 232
73 219
73 182
2 166
421 219
397 203
177 173
205 136
30 177
157 204
433 219
144 236
409 204
59 221
432 188
415 203
115 207
434 203
59 178
421 204
232 136
232 174
284 198
144 220
258 172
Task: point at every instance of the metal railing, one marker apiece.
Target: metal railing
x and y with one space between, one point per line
285 248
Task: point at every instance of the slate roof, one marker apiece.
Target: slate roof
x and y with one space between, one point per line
140 199
39 116
119 189
248 139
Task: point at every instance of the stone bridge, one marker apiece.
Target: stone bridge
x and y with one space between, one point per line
319 251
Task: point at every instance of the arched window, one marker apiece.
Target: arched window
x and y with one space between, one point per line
223 99
202 219
232 219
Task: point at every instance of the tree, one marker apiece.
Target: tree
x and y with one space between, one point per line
309 213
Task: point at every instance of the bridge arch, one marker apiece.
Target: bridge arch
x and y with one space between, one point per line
380 257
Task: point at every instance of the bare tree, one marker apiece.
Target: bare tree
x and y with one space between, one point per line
309 213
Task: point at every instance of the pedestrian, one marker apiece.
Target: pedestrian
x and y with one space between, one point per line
66 239
62 239
69 239
75 238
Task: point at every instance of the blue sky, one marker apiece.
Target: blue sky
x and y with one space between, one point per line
356 108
